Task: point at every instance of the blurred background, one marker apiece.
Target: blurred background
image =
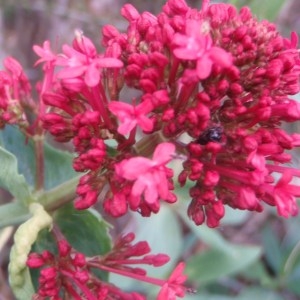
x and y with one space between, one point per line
251 256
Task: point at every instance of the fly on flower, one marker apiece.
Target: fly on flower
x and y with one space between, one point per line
213 133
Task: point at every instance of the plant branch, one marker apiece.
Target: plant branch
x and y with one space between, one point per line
40 163
14 213
60 195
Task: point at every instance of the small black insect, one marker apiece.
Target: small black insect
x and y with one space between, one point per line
211 134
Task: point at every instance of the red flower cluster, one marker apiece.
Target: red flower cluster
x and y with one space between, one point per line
212 87
70 272
14 94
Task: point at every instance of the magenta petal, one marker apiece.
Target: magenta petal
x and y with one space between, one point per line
145 123
126 126
164 292
92 75
13 66
180 39
134 201
132 168
144 108
151 195
294 39
220 57
138 188
109 62
71 72
85 46
177 274
39 50
44 52
163 153
161 184
118 108
70 52
204 66
184 53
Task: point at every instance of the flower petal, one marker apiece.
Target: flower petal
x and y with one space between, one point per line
163 153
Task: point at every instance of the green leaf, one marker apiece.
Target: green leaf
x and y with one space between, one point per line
163 233
58 163
221 259
234 216
246 294
13 213
291 237
85 230
58 166
266 9
261 9
209 236
257 272
272 249
11 180
292 282
202 296
213 264
14 141
293 260
163 237
205 296
258 293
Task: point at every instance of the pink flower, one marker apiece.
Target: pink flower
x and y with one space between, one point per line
198 45
44 52
174 286
217 75
68 272
129 12
150 176
284 195
130 115
82 60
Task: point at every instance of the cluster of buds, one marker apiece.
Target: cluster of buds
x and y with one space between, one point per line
211 87
70 272
15 95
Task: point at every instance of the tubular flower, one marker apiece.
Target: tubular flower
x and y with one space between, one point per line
14 94
212 84
150 176
131 116
173 287
70 272
197 45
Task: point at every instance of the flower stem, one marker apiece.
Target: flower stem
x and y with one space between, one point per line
14 213
147 144
40 165
151 280
60 195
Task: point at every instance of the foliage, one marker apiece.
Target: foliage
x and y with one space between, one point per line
62 228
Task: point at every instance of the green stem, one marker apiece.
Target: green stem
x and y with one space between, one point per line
147 145
60 195
40 164
15 213
291 261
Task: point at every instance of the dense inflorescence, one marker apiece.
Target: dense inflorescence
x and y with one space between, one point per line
15 95
208 88
71 273
211 87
